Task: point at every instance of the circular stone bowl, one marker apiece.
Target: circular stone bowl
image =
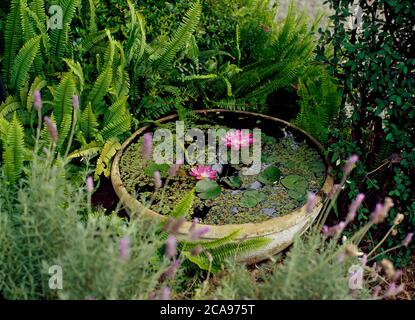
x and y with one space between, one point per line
280 230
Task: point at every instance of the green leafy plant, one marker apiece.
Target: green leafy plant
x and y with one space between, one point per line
373 63
102 116
319 102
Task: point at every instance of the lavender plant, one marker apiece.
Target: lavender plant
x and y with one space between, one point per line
322 264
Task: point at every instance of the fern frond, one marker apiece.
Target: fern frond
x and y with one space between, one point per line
136 42
100 88
92 16
184 206
59 37
88 123
23 62
40 22
4 125
104 161
164 57
12 38
117 120
219 254
9 106
88 151
13 154
77 70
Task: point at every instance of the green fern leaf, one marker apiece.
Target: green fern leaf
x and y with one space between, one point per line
23 62
184 207
226 251
104 161
12 38
117 120
88 123
13 154
87 151
59 37
62 102
100 89
166 53
9 106
77 70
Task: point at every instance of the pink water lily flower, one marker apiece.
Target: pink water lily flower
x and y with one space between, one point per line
238 139
204 172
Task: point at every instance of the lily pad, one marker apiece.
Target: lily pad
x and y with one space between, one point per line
251 198
296 185
294 182
153 167
233 181
208 189
269 175
299 196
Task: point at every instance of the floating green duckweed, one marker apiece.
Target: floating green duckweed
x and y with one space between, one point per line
289 170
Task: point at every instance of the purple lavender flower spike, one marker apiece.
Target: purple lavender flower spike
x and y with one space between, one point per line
53 132
311 201
354 206
171 246
89 185
124 246
198 233
157 180
148 145
75 102
196 250
349 165
165 293
394 290
37 100
407 239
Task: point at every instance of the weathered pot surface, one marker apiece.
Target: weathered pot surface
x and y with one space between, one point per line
281 230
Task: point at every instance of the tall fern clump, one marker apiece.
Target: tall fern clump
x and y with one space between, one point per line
268 56
39 57
319 102
156 68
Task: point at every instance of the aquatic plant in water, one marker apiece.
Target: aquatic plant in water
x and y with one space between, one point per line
290 169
